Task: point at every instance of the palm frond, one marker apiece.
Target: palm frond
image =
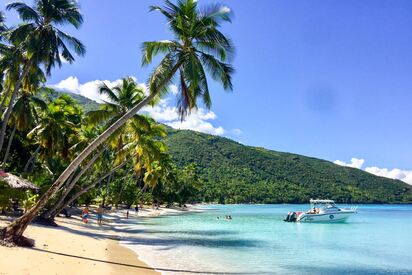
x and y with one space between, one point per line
26 13
106 90
163 74
73 42
219 71
153 48
99 116
216 13
19 34
67 11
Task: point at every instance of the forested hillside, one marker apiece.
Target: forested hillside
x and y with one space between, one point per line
234 173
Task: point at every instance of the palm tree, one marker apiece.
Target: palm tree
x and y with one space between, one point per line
40 39
57 128
146 147
198 44
24 115
122 98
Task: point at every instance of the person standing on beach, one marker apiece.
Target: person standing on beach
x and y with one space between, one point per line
100 212
85 214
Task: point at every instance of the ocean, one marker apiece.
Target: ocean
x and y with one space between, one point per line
377 240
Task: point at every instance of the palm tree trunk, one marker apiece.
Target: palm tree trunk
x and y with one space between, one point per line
71 184
120 196
6 155
31 159
14 231
82 191
11 103
107 190
3 102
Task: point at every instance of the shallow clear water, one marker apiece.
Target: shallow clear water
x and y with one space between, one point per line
378 240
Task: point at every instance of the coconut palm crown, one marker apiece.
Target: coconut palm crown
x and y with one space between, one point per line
198 48
39 34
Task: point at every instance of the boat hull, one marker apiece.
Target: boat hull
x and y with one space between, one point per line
325 217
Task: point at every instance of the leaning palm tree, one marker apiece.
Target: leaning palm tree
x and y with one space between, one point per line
86 135
198 47
41 40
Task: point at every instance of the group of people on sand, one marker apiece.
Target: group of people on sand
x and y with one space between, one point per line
99 213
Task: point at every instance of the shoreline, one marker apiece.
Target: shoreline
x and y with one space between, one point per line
87 247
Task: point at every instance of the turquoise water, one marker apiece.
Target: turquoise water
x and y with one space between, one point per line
378 240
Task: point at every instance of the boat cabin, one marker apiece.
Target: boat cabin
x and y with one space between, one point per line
322 206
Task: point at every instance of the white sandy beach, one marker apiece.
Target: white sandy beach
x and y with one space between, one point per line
78 248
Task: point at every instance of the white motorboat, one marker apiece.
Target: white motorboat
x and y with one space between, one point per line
322 211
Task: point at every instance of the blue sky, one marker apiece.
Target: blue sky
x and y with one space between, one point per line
328 79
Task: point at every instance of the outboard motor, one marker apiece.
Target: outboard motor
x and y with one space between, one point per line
287 217
291 217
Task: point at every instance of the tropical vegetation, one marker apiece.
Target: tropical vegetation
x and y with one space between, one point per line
111 153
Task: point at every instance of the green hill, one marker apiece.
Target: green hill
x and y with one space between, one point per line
235 173
86 103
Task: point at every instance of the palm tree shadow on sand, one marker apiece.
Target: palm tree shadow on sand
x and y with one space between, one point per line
139 267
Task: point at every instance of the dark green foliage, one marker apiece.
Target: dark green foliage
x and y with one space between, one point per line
182 186
234 173
8 195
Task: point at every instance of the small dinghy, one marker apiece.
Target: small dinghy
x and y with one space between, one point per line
321 211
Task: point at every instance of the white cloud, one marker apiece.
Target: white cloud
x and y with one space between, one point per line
355 163
403 175
89 89
70 84
224 9
199 120
173 89
162 112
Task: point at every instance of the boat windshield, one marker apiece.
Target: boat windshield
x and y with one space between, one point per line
323 204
